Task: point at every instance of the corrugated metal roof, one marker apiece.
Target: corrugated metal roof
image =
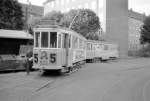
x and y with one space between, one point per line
48 1
15 34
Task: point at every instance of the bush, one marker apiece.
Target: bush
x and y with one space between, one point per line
145 51
133 53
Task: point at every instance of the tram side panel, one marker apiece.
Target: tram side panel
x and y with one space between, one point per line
47 59
78 55
109 51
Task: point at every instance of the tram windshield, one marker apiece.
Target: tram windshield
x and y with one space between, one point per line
37 39
46 39
53 39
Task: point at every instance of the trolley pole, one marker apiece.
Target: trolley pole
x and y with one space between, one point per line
74 19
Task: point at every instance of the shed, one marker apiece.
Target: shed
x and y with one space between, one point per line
11 40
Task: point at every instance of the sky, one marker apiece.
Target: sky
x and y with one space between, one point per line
141 6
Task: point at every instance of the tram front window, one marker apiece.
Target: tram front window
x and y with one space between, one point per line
44 39
37 39
53 39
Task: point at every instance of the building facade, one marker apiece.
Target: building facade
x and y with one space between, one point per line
135 22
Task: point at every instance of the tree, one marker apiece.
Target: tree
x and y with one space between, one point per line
145 31
11 15
85 23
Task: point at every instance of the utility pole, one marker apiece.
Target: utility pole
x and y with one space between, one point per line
27 15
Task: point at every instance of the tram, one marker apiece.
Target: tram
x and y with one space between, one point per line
57 48
100 50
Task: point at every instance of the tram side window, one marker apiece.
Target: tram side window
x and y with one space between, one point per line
85 45
80 44
88 46
53 39
105 47
75 42
69 41
59 41
64 40
44 39
92 46
37 39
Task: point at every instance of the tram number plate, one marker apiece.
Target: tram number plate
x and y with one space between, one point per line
44 58
52 58
35 58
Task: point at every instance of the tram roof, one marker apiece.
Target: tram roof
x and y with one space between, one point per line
56 27
103 42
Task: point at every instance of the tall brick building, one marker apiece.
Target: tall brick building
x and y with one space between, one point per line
135 21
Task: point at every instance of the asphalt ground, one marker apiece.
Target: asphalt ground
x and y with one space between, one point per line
117 80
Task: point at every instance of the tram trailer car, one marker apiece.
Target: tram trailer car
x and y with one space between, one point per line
99 50
93 50
58 48
110 51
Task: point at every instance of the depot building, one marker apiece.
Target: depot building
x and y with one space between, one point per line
11 40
